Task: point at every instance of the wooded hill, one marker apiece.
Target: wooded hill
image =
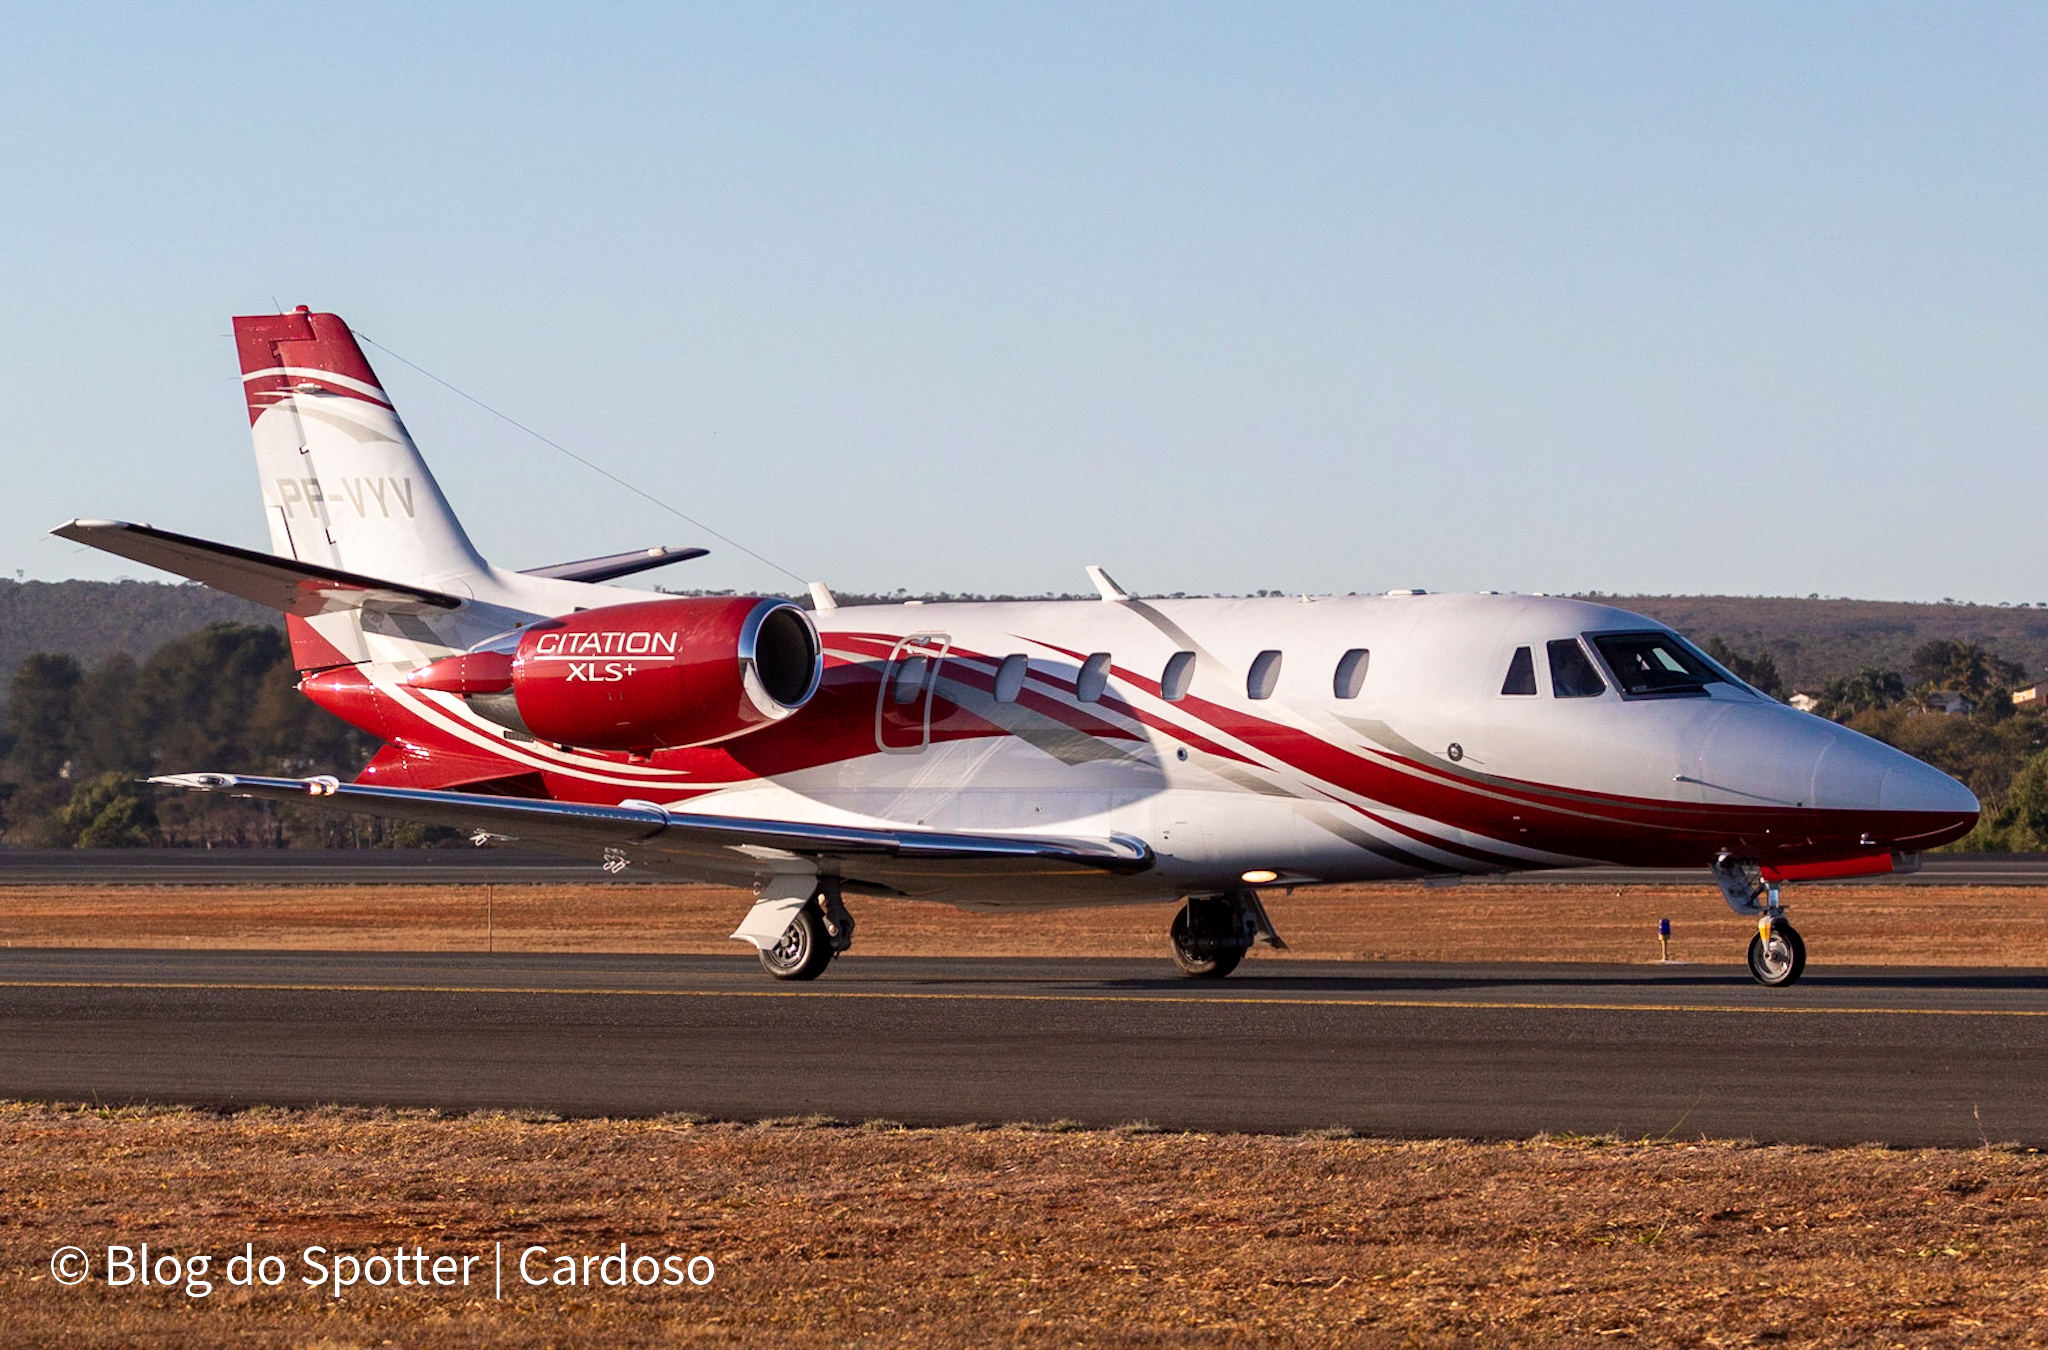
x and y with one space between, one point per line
93 620
1812 641
78 734
1816 641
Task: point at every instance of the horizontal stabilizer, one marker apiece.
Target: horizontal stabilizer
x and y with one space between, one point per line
283 584
687 843
614 565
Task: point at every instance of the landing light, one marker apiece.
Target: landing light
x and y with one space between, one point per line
1259 876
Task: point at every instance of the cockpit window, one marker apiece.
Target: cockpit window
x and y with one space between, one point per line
1571 671
1655 665
1521 674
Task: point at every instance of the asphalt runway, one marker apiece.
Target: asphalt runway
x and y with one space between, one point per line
296 867
1900 1056
216 867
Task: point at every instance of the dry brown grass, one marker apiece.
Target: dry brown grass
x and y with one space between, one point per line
828 1236
1844 925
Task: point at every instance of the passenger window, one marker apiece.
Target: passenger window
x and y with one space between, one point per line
1571 671
1521 674
1094 678
1179 674
910 679
1010 678
1351 672
1264 677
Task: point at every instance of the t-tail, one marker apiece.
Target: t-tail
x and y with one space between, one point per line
368 562
343 484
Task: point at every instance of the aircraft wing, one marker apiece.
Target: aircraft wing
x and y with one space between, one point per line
703 847
286 584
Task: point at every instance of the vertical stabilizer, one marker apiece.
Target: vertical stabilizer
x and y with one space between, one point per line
343 484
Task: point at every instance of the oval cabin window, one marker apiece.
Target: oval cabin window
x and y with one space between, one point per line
1179 674
1010 678
1264 677
1094 678
1351 672
910 679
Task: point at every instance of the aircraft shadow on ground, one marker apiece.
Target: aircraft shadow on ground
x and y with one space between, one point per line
1076 975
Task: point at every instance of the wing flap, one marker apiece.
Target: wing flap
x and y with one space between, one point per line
692 844
284 584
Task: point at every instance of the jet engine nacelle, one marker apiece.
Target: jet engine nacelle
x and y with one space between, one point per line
641 677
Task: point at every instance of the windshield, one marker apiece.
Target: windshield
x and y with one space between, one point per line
1655 665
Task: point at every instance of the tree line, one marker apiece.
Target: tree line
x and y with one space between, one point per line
76 740
1999 751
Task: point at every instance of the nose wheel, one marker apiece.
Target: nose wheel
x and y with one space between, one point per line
1777 954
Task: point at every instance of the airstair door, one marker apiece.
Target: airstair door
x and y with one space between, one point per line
903 708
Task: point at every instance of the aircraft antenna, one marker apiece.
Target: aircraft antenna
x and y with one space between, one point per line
595 468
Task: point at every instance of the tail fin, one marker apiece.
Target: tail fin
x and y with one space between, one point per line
343 485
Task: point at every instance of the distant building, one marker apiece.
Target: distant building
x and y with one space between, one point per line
2034 695
1808 700
1954 702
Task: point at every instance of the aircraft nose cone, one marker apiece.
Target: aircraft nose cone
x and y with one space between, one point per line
1917 805
1856 773
1910 785
1777 754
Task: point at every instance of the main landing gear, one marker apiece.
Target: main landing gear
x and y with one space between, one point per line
1212 933
818 930
1777 954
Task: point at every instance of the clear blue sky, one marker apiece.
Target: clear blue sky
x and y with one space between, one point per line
1626 297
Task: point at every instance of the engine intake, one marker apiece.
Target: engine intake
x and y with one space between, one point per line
641 677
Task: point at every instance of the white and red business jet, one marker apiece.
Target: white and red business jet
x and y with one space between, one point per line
1029 754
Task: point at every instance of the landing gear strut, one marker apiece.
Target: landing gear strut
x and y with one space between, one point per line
1777 954
1212 933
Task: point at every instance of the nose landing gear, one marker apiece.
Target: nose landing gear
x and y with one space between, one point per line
1777 954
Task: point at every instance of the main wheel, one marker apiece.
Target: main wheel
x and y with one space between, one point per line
803 951
1781 960
1213 966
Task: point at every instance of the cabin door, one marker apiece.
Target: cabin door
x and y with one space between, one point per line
903 708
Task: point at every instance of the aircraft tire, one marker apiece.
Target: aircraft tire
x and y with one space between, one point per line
1783 961
803 951
1213 966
